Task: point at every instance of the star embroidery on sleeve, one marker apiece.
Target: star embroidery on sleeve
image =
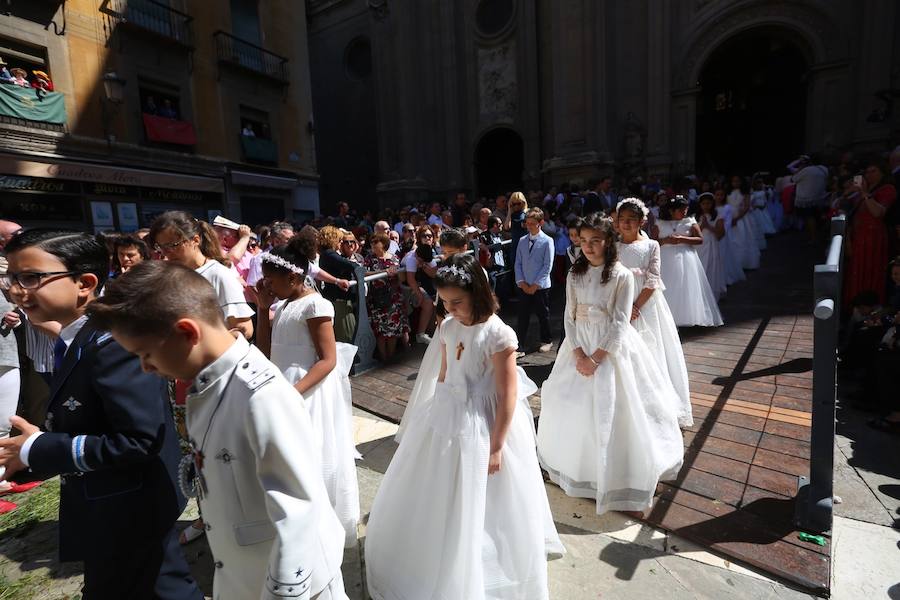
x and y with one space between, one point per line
71 403
299 572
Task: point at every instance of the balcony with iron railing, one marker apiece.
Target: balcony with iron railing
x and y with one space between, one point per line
241 54
154 18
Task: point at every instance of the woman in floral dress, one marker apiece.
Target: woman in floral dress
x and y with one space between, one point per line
384 300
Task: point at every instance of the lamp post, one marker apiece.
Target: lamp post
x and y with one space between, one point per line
112 99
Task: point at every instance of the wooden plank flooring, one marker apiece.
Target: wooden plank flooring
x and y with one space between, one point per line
751 391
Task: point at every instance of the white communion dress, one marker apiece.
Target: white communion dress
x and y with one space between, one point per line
328 402
614 435
655 323
731 257
743 238
426 379
712 260
440 527
688 292
759 200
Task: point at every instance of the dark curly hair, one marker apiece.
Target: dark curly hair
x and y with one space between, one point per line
472 280
665 212
294 253
603 224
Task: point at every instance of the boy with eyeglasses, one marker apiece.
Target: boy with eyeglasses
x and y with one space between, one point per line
108 431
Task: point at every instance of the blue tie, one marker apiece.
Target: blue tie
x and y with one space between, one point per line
59 352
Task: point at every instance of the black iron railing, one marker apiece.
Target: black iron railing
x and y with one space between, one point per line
241 53
815 496
153 17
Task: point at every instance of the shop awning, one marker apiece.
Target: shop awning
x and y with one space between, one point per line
249 179
172 131
25 103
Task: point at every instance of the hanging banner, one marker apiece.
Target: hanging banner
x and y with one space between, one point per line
161 129
26 103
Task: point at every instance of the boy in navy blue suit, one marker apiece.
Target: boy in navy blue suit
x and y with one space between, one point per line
109 431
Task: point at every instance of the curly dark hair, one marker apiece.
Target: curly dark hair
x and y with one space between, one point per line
665 212
603 224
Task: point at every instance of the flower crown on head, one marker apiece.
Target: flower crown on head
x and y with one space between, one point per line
285 264
452 271
636 202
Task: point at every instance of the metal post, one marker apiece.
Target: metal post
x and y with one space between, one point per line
814 497
363 337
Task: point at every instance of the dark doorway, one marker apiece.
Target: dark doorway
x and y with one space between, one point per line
499 162
751 114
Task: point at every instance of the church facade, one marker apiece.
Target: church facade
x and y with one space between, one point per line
419 99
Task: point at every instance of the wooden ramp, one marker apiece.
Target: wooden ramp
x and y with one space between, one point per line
751 390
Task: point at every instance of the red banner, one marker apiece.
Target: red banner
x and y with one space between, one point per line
161 129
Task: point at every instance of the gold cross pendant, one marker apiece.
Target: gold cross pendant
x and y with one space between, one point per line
459 350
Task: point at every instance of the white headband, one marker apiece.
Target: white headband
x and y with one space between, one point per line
454 271
277 260
637 202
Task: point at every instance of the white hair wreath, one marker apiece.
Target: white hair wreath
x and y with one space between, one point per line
277 260
636 202
454 271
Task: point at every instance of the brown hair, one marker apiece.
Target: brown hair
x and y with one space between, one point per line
422 230
330 237
604 225
473 280
188 226
380 238
152 296
535 213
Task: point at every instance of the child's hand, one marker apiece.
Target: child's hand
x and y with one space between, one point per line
635 312
585 366
494 462
265 297
11 447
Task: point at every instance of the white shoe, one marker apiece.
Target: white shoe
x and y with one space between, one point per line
546 347
423 338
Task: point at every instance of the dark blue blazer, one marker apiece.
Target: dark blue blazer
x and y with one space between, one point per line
110 434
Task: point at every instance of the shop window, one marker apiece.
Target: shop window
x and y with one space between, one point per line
255 123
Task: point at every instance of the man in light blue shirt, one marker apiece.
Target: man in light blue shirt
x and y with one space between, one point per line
534 261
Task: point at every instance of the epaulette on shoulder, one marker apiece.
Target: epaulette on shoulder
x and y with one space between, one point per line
103 339
255 376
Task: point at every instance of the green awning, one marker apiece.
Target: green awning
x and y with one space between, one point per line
25 103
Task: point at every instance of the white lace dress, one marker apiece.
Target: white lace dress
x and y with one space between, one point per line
612 436
328 402
711 257
440 527
759 200
688 293
743 240
655 323
731 257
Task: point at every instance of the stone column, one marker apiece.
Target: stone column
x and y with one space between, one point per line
659 100
876 42
684 129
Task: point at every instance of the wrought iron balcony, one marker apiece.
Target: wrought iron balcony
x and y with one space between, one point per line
152 17
250 57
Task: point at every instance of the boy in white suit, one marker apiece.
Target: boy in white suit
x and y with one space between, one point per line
254 467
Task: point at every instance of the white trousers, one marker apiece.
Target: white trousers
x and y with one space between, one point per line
9 397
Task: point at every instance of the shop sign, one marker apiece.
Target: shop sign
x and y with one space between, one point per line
18 183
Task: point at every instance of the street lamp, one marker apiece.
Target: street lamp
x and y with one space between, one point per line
114 88
112 99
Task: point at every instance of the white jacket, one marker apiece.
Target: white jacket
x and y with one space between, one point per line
270 524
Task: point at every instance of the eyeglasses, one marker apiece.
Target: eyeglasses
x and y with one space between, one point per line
350 242
29 280
165 248
427 235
